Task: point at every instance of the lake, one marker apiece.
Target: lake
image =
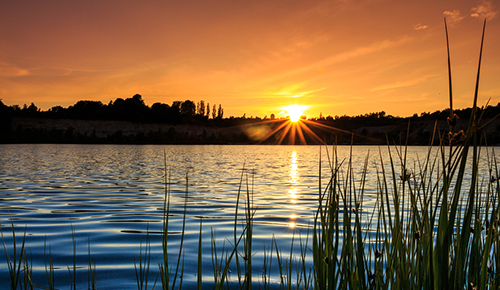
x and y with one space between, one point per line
112 196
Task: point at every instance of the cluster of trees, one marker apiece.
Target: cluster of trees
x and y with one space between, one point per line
131 109
352 122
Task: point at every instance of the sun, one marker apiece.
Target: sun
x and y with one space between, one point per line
294 129
295 112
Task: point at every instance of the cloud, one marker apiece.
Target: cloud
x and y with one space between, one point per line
402 84
419 26
338 58
364 50
292 92
10 70
483 10
453 17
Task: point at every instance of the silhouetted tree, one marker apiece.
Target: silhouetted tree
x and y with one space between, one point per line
86 110
200 111
31 111
175 111
6 113
137 99
161 113
214 112
176 106
117 109
131 109
188 108
220 112
56 109
33 108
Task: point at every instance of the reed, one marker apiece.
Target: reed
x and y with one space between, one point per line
17 261
142 267
72 271
92 269
49 267
28 273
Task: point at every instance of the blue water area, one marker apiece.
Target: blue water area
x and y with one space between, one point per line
109 200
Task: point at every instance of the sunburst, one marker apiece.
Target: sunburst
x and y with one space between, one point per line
295 129
295 112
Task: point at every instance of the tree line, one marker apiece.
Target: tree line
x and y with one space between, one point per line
181 112
131 109
332 129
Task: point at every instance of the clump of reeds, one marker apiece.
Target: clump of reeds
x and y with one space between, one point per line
17 265
433 230
427 229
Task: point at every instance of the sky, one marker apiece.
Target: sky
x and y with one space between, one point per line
255 57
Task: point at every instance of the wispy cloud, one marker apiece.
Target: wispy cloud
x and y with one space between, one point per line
374 47
10 70
484 10
323 65
420 26
453 17
401 84
291 92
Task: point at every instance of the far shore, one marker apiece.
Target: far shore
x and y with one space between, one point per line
46 130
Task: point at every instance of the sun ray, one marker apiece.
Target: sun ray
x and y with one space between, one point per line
312 134
326 126
285 132
336 129
301 134
273 132
293 130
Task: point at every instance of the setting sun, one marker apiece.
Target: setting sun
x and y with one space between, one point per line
295 112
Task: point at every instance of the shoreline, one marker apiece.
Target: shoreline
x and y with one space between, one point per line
71 131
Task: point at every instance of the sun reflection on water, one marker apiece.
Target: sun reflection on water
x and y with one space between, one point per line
294 182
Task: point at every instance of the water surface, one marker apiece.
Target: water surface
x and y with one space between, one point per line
113 195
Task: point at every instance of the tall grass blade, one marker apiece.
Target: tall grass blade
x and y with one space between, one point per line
200 260
14 264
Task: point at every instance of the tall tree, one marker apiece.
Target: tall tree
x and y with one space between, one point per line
138 100
188 108
160 112
175 110
201 108
176 106
220 112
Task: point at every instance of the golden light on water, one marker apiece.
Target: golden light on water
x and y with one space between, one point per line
294 182
294 169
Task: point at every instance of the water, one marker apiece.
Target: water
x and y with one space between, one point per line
113 195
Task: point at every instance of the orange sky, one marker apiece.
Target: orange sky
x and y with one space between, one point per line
254 57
